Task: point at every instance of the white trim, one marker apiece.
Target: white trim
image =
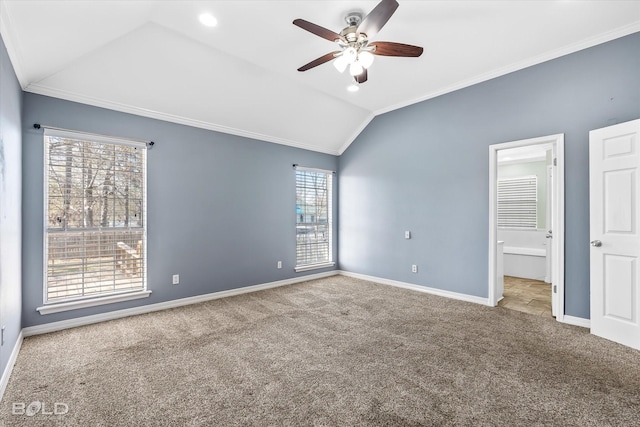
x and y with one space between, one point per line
103 317
547 56
12 45
419 288
14 49
356 133
577 321
97 318
515 250
314 266
310 169
56 307
93 137
558 233
493 228
91 302
329 182
10 362
45 203
523 160
143 112
557 268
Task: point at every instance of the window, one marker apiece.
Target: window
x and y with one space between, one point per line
95 223
517 202
314 228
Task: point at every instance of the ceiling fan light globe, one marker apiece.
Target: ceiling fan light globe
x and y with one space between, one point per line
350 55
365 59
340 63
355 68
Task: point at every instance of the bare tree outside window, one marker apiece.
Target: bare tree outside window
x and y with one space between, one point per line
95 217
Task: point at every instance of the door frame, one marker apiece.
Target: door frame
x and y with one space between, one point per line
557 270
550 179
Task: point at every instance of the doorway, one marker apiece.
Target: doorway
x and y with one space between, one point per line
527 295
526 217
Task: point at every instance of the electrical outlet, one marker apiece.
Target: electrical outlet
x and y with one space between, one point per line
279 264
176 279
407 234
414 268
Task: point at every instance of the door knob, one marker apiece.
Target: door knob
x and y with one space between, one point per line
596 243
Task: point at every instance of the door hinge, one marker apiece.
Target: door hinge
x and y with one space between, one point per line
555 289
2 335
555 161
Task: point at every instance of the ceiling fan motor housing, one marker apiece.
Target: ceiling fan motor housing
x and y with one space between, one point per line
350 33
353 19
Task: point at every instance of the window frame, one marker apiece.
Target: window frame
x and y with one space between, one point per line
330 262
77 302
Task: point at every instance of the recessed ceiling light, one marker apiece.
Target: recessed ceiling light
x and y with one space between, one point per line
208 20
353 88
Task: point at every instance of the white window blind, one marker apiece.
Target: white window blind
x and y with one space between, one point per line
314 228
517 202
95 216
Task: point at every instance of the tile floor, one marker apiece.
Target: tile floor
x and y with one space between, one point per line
527 295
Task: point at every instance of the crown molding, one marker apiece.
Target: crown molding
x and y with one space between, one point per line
40 89
356 133
11 43
125 108
547 56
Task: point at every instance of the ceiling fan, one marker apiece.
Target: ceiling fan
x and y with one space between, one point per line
356 50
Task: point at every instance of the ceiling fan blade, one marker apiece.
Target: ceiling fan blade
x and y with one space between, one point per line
375 20
396 49
319 61
362 77
317 30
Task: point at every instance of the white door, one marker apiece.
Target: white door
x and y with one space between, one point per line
614 182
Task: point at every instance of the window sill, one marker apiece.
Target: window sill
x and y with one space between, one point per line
314 266
85 303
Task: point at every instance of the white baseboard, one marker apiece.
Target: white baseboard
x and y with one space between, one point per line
9 368
103 317
577 321
413 287
87 320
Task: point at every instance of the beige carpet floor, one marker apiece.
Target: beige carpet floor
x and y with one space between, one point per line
336 351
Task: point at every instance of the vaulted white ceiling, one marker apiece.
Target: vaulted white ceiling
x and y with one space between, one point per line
154 58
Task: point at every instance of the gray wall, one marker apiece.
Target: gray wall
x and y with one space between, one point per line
10 205
425 168
221 208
